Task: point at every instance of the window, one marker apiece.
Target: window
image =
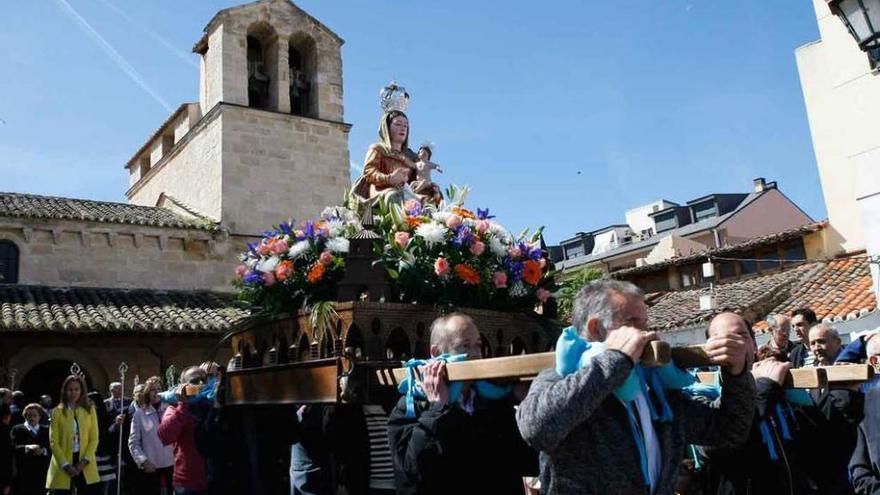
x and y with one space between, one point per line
574 251
726 269
8 262
666 221
301 56
794 251
748 267
691 276
769 260
704 210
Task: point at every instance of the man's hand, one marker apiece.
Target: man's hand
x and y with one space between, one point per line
180 393
120 419
148 467
32 449
434 382
772 369
728 349
630 341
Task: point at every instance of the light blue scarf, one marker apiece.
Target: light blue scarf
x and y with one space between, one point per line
411 387
205 394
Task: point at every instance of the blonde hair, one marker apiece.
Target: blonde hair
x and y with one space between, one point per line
142 391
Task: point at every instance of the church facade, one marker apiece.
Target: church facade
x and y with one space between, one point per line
97 283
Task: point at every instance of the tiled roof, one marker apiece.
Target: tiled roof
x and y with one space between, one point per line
841 291
835 289
730 250
28 307
53 207
677 309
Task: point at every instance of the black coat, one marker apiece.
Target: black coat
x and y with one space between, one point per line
864 466
445 450
797 355
5 457
748 468
31 468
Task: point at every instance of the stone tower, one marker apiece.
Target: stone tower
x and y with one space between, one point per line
266 140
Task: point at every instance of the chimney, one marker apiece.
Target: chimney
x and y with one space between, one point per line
760 184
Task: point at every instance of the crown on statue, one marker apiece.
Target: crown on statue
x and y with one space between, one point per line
394 97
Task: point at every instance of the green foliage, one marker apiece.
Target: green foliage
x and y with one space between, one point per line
570 286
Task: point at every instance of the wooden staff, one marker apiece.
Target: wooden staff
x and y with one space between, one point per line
123 369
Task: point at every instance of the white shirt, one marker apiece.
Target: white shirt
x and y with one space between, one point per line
652 442
33 429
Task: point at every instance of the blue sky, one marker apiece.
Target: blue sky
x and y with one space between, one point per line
562 114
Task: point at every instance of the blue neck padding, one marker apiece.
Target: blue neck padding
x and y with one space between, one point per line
412 389
204 395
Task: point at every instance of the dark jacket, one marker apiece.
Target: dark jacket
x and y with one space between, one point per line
584 435
5 457
798 355
445 450
749 469
864 465
31 468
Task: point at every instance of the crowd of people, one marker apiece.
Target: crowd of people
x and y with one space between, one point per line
597 423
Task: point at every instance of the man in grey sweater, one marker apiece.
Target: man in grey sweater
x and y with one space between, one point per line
592 442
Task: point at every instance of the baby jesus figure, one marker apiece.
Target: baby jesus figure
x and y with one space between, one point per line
424 184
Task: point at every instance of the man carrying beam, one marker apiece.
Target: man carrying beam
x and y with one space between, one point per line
459 438
597 435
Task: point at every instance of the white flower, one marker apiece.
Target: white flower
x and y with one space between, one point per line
251 263
337 244
432 232
268 265
499 231
335 226
298 249
518 289
340 212
442 216
497 247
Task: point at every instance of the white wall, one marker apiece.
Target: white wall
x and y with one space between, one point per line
638 219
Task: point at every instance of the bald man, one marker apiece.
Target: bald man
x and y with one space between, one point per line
465 444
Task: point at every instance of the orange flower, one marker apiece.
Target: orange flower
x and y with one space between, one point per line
531 272
413 222
316 273
464 213
467 274
283 270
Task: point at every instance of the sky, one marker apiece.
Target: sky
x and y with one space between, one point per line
563 114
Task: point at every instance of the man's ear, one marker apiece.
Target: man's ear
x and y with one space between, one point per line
593 329
435 351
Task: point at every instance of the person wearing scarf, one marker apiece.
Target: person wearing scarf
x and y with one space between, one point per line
608 426
457 437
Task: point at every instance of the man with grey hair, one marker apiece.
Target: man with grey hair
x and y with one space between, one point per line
462 441
591 441
825 344
780 342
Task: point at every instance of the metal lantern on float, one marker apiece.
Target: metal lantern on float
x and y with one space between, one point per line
862 19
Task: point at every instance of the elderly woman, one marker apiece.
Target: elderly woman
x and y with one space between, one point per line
31 442
155 460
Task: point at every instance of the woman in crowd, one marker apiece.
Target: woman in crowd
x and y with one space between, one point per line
155 461
73 439
108 444
31 442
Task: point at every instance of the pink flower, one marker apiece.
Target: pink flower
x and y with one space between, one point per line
326 258
240 271
401 238
542 295
412 205
515 252
441 267
263 249
454 221
278 246
299 234
268 279
499 279
477 248
482 226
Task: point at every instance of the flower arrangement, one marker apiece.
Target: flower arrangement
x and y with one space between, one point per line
444 255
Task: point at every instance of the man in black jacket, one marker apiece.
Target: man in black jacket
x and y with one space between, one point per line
801 321
864 466
465 444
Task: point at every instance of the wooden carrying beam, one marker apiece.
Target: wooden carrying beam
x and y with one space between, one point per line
524 366
797 378
309 382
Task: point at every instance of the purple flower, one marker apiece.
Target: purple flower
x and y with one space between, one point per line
285 228
252 249
269 234
463 236
484 214
253 278
515 268
536 254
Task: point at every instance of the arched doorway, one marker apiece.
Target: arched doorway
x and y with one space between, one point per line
47 378
517 347
354 339
397 348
